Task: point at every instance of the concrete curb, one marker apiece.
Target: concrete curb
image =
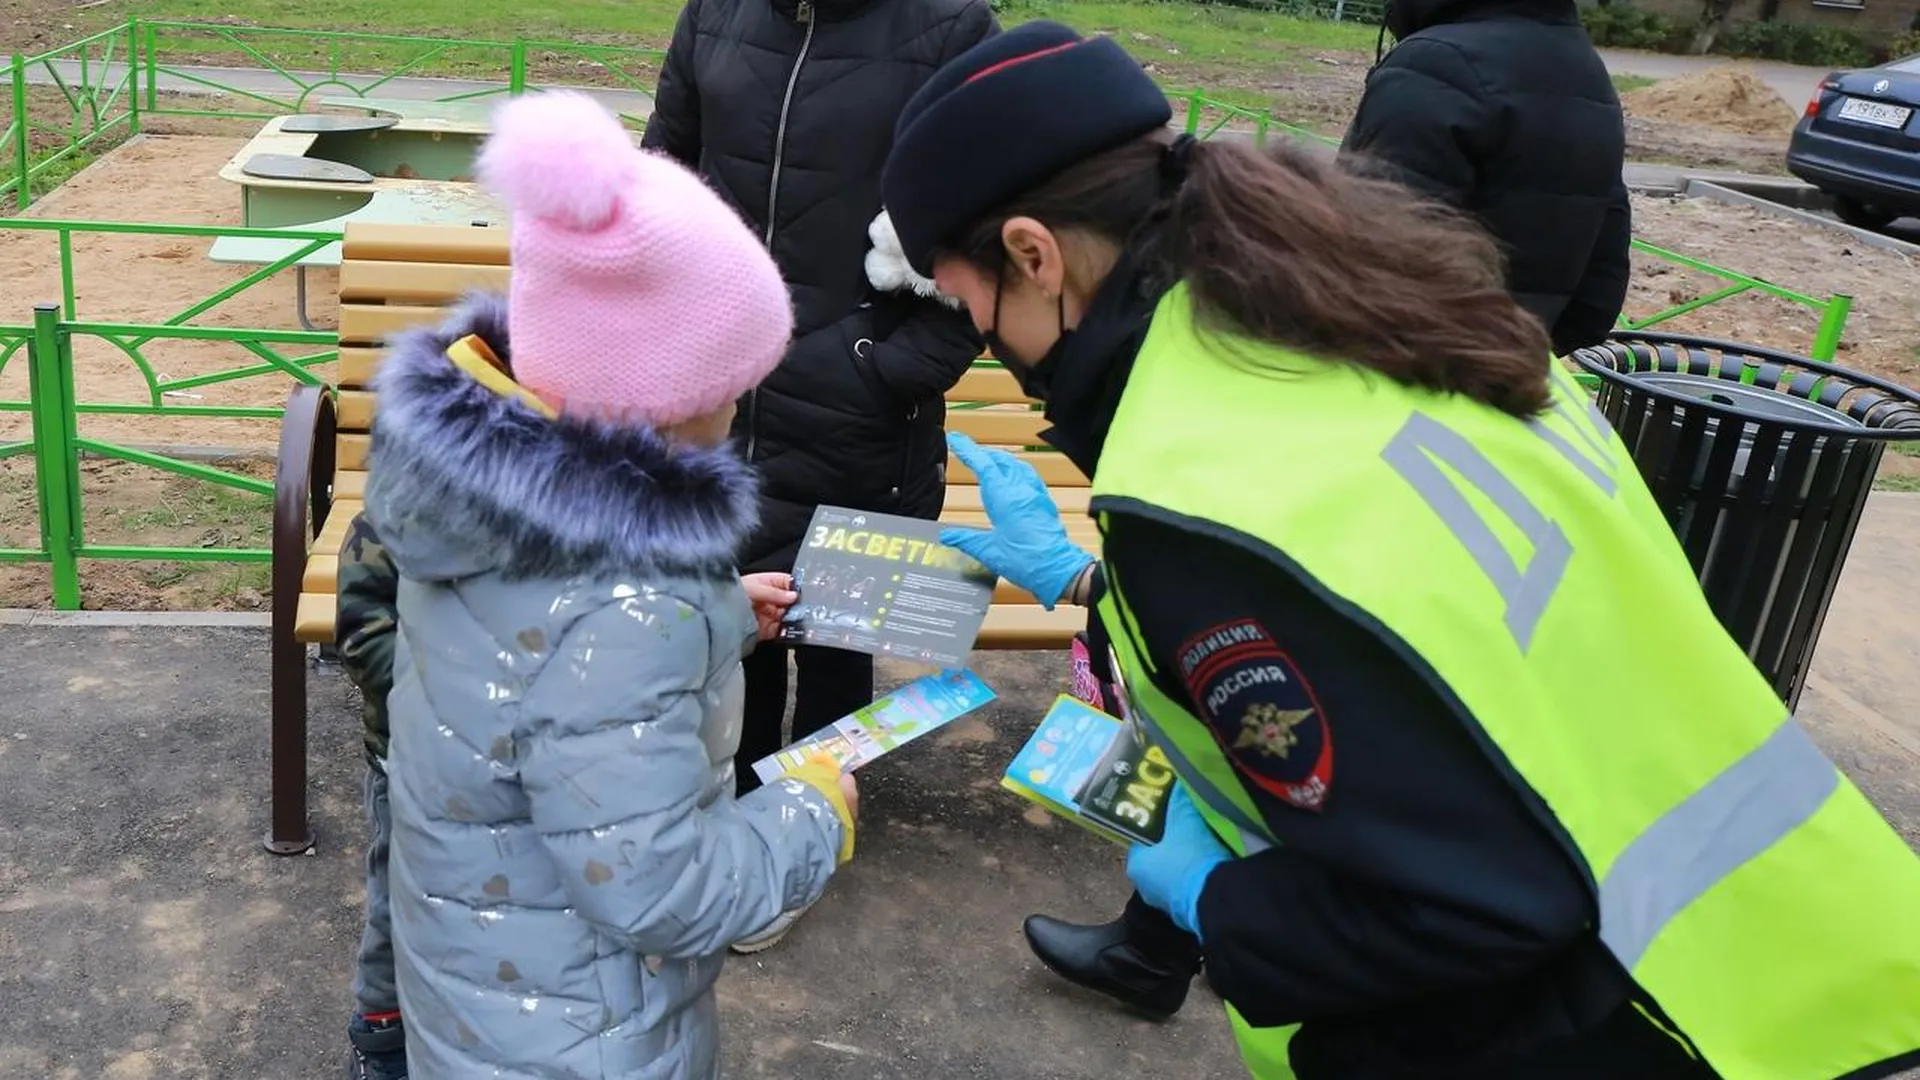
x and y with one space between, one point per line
1707 189
166 619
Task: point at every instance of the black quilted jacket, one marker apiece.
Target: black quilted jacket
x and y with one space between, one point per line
787 107
1502 108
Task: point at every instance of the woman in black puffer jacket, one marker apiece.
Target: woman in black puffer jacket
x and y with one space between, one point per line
787 108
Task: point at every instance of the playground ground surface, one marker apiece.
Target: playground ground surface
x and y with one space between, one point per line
147 937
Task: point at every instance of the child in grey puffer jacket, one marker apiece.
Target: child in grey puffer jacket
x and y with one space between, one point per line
551 480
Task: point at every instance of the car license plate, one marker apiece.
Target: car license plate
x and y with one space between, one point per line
1876 113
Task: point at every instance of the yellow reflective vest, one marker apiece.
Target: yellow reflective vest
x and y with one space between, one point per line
1523 568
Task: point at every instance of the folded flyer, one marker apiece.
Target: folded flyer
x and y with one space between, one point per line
885 585
929 702
1091 769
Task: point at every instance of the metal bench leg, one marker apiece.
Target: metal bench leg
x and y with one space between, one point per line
300 297
300 507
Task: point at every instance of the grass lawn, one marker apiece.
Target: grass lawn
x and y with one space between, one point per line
1186 44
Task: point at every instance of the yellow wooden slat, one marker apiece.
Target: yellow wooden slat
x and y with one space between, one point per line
1054 469
999 428
350 453
322 575
371 324
333 533
1022 626
416 282
350 485
353 410
965 499
358 363
313 618
380 242
987 385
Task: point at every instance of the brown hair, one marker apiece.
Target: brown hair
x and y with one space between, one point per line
1314 256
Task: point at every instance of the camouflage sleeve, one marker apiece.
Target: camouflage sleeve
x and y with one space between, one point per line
365 626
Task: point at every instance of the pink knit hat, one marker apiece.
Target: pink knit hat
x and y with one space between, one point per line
636 292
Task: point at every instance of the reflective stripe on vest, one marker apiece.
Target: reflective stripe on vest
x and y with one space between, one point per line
1523 568
1731 821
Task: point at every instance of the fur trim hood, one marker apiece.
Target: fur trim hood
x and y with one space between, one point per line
888 269
462 480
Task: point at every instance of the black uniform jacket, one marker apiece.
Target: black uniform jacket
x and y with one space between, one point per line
1420 917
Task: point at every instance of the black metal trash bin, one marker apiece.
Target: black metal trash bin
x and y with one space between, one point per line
1762 462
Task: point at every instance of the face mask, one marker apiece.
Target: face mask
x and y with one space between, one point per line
1034 378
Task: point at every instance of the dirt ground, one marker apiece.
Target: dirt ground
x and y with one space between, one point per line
150 279
1724 98
1882 334
130 504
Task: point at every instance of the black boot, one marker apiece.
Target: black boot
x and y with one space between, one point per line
1143 973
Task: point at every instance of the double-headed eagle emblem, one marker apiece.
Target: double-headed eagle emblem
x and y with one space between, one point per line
1270 729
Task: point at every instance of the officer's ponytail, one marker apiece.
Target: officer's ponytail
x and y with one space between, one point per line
1312 255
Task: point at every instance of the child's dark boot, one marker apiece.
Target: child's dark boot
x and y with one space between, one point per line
379 1047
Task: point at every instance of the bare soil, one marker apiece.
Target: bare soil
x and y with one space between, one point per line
130 278
1882 334
1725 98
123 503
146 280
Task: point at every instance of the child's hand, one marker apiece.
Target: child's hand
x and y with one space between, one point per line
852 792
771 595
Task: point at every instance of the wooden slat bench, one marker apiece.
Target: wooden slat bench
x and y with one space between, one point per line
396 276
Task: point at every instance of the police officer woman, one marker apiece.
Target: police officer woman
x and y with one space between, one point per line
1473 782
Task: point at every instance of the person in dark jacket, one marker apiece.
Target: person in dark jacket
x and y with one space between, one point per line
1503 109
787 108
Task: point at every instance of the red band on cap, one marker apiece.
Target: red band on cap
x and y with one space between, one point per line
1016 60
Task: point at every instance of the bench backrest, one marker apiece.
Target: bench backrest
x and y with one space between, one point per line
393 277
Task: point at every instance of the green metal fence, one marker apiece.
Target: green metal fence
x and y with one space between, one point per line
311 66
57 445
258 344
54 408
91 97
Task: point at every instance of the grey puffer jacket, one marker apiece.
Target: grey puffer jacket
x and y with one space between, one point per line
569 864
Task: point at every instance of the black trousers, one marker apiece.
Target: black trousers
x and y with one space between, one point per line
831 683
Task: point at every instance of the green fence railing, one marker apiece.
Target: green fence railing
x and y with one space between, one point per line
259 345
57 447
87 93
293 70
1833 310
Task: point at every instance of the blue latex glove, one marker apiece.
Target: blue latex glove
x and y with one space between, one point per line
1171 873
1027 544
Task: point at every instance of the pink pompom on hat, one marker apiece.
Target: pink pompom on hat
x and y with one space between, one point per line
636 292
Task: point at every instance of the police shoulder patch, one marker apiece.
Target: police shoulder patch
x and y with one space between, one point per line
1262 711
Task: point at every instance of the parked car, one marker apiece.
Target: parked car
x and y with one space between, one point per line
1860 143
